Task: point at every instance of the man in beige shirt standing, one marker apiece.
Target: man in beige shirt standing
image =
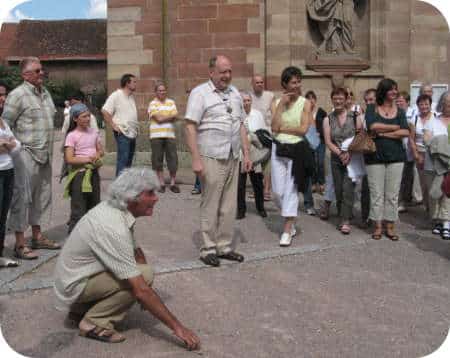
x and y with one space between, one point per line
120 113
262 101
214 132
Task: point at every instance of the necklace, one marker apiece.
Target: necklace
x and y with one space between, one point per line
387 112
225 97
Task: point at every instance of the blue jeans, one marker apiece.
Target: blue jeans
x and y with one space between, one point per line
308 200
125 151
319 155
197 184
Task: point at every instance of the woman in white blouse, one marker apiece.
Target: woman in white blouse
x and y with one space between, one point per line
439 208
418 123
8 146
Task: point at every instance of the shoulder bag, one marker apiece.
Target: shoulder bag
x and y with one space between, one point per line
362 142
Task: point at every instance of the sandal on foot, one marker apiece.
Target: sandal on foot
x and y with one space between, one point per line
25 253
376 236
44 243
324 213
345 229
390 233
103 335
378 232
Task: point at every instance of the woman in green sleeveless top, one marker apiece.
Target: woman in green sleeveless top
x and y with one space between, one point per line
292 116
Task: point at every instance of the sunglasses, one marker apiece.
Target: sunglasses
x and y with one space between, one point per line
37 71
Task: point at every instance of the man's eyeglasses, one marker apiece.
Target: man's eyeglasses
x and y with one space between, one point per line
37 71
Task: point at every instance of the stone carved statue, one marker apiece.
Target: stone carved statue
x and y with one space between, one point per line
334 18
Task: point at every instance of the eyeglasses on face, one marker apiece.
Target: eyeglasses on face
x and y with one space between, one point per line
37 71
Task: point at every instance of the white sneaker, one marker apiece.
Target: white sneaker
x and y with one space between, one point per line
293 230
285 239
401 209
311 211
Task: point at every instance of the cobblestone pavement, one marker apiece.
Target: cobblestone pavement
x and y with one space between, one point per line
327 295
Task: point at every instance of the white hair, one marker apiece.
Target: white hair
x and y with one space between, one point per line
441 103
131 183
246 94
26 62
425 85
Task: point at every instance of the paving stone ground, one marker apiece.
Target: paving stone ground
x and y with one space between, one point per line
327 295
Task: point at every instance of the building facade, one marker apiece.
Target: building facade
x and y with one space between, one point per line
172 40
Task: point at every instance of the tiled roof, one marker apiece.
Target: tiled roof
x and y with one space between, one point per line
59 40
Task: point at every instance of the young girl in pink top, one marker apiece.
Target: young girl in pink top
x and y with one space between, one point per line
82 152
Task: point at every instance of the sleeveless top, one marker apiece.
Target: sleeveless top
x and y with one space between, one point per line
291 117
340 134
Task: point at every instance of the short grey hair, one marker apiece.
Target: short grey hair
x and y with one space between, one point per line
213 61
441 103
26 62
246 93
424 85
131 183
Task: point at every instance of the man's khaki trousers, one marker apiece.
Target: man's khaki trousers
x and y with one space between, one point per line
218 205
105 299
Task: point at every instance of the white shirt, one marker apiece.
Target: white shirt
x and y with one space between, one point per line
218 115
122 108
435 127
254 121
6 161
263 104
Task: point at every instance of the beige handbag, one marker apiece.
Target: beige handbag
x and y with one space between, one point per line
362 142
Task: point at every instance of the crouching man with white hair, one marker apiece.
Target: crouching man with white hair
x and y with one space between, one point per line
101 271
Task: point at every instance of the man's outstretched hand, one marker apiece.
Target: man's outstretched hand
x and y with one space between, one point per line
189 338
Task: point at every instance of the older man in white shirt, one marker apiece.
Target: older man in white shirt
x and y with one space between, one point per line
214 131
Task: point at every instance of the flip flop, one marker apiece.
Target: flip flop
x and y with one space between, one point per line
25 253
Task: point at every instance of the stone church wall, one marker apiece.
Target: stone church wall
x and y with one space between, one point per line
172 40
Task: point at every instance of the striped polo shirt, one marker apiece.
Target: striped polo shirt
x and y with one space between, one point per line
166 108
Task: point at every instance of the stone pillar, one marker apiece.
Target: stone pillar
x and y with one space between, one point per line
134 46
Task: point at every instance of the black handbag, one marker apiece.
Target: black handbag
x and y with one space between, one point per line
264 137
286 150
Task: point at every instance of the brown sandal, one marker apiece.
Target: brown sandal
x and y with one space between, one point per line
324 212
44 243
103 335
25 253
390 233
378 233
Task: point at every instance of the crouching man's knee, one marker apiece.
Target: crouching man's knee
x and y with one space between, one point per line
147 273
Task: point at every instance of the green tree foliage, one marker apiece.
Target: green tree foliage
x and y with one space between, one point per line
10 75
61 89
98 98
